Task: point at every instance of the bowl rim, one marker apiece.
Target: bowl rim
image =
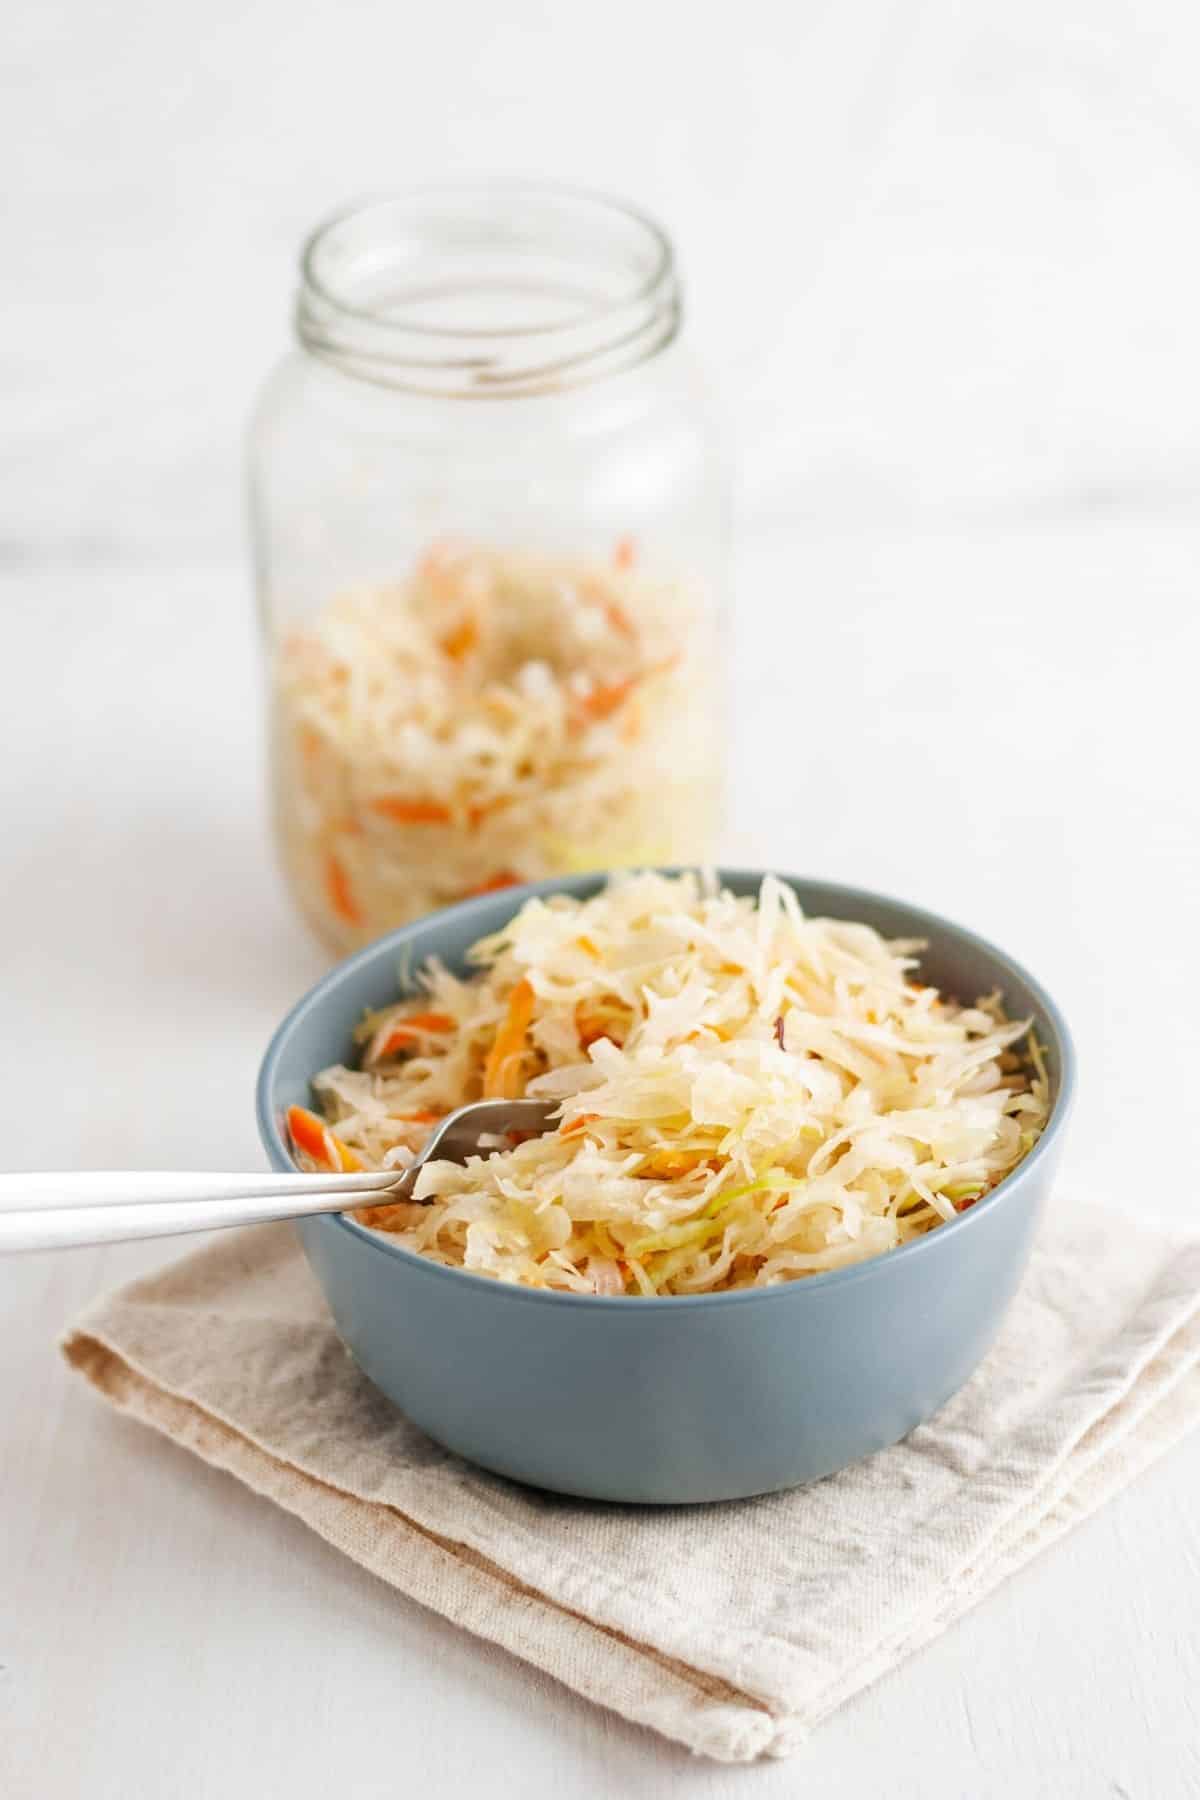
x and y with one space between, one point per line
928 924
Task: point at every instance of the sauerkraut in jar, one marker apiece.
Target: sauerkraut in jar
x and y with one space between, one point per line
494 718
491 534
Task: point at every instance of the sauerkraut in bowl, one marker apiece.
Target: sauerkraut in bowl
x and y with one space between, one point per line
495 718
746 1095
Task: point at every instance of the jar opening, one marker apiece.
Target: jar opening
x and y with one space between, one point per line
489 291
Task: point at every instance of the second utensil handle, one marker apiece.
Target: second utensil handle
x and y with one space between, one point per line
38 1190
57 1227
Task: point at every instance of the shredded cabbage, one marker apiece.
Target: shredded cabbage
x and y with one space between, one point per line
747 1095
495 718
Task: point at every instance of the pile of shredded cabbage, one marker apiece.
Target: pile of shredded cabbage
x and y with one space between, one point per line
495 718
747 1095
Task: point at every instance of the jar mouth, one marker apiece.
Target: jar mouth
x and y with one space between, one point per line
488 290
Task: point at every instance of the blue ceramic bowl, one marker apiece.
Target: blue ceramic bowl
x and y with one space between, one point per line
685 1398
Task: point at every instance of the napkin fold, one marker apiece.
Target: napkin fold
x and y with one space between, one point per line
734 1629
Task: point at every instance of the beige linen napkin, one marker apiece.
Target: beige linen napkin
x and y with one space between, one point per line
733 1628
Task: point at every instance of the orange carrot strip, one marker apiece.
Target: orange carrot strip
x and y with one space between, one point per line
596 593
593 1026
314 1137
382 1218
479 810
417 1025
461 641
605 699
625 552
593 1032
503 878
426 1021
502 1072
579 1123
402 811
341 894
308 1133
619 619
675 1162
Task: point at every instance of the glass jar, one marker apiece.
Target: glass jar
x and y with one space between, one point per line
491 537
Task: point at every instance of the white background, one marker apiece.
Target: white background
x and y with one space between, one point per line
943 265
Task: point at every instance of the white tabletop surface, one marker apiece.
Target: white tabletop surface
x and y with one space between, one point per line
947 274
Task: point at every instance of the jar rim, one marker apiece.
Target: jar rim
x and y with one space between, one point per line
631 310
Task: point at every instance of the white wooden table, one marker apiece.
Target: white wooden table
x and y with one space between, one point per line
944 265
165 1633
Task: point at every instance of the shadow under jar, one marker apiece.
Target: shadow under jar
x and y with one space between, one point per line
491 534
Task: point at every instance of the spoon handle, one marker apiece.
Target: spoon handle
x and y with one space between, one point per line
35 1190
46 1212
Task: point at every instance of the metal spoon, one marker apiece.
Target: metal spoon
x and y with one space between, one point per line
47 1212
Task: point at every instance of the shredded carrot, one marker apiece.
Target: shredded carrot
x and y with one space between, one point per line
670 1163
619 619
598 593
314 1137
503 878
383 1218
310 743
604 700
345 1155
502 1072
625 553
607 697
461 640
479 810
417 1025
341 894
402 811
308 1133
425 1021
579 1123
607 1022
592 1031
416 1118
585 943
